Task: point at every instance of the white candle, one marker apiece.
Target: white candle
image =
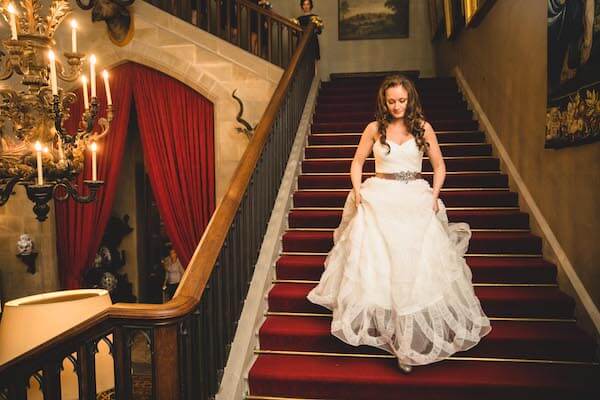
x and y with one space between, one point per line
74 36
13 21
86 100
94 148
53 80
93 74
40 174
107 88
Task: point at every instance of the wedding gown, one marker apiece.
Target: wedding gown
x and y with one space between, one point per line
396 278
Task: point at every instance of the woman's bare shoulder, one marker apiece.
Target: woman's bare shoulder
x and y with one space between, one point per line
372 130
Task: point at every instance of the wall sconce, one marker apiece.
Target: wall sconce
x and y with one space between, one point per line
25 252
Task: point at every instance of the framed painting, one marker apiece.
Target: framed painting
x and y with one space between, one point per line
436 16
453 17
475 10
372 19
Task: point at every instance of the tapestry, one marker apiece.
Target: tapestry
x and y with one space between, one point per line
573 107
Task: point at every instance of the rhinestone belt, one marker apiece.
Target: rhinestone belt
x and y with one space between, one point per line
400 176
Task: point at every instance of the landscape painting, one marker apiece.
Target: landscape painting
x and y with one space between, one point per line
372 19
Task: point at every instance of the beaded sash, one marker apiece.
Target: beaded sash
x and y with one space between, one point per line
400 176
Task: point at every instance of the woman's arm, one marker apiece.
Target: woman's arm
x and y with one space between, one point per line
362 152
437 162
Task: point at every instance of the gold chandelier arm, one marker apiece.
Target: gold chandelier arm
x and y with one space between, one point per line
7 70
58 11
105 125
73 72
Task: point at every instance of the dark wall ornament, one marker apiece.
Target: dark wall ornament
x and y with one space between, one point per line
119 20
573 106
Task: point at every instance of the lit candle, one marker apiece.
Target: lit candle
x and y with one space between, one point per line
13 21
94 148
107 87
93 74
40 174
74 36
53 81
86 100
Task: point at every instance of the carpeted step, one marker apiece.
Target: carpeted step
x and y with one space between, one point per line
485 269
352 107
477 219
318 377
368 115
480 243
448 150
458 180
452 165
426 97
354 138
455 198
500 301
541 340
439 125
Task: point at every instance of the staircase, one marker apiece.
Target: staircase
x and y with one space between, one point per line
535 349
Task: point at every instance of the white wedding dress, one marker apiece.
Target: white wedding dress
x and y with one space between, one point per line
396 278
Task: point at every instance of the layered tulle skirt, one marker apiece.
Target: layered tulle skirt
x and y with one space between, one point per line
396 277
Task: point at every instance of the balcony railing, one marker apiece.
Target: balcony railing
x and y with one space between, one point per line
242 23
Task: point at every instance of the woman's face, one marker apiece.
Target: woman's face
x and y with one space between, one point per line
306 7
396 100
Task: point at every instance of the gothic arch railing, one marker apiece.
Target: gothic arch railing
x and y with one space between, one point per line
189 337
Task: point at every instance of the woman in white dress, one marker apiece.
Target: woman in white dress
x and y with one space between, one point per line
396 277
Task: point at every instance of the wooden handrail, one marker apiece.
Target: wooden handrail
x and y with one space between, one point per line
205 256
203 261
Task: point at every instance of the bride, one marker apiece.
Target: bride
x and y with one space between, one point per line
396 278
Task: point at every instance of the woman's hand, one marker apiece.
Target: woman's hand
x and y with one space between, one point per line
357 198
436 206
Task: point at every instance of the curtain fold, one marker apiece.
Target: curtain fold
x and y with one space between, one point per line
176 130
79 227
177 135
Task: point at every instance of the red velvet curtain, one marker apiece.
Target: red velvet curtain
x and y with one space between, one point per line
176 129
79 227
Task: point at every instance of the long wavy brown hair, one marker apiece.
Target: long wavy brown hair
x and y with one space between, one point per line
413 116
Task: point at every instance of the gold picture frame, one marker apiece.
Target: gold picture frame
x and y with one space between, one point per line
474 11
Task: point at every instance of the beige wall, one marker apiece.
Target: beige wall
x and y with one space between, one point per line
504 62
414 52
210 66
17 217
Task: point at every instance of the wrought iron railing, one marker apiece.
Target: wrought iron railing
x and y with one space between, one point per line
188 339
240 22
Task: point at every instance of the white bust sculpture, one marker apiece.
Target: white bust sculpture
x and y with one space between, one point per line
24 245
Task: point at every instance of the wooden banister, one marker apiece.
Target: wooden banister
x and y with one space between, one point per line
191 333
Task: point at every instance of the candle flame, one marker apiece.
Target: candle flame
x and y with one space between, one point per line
84 79
11 9
38 146
105 74
74 24
51 55
93 59
45 149
94 147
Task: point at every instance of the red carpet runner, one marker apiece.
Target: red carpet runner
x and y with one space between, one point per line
535 350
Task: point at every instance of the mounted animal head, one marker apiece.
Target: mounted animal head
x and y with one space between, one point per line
115 14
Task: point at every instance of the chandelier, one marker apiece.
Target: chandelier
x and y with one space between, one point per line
36 150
